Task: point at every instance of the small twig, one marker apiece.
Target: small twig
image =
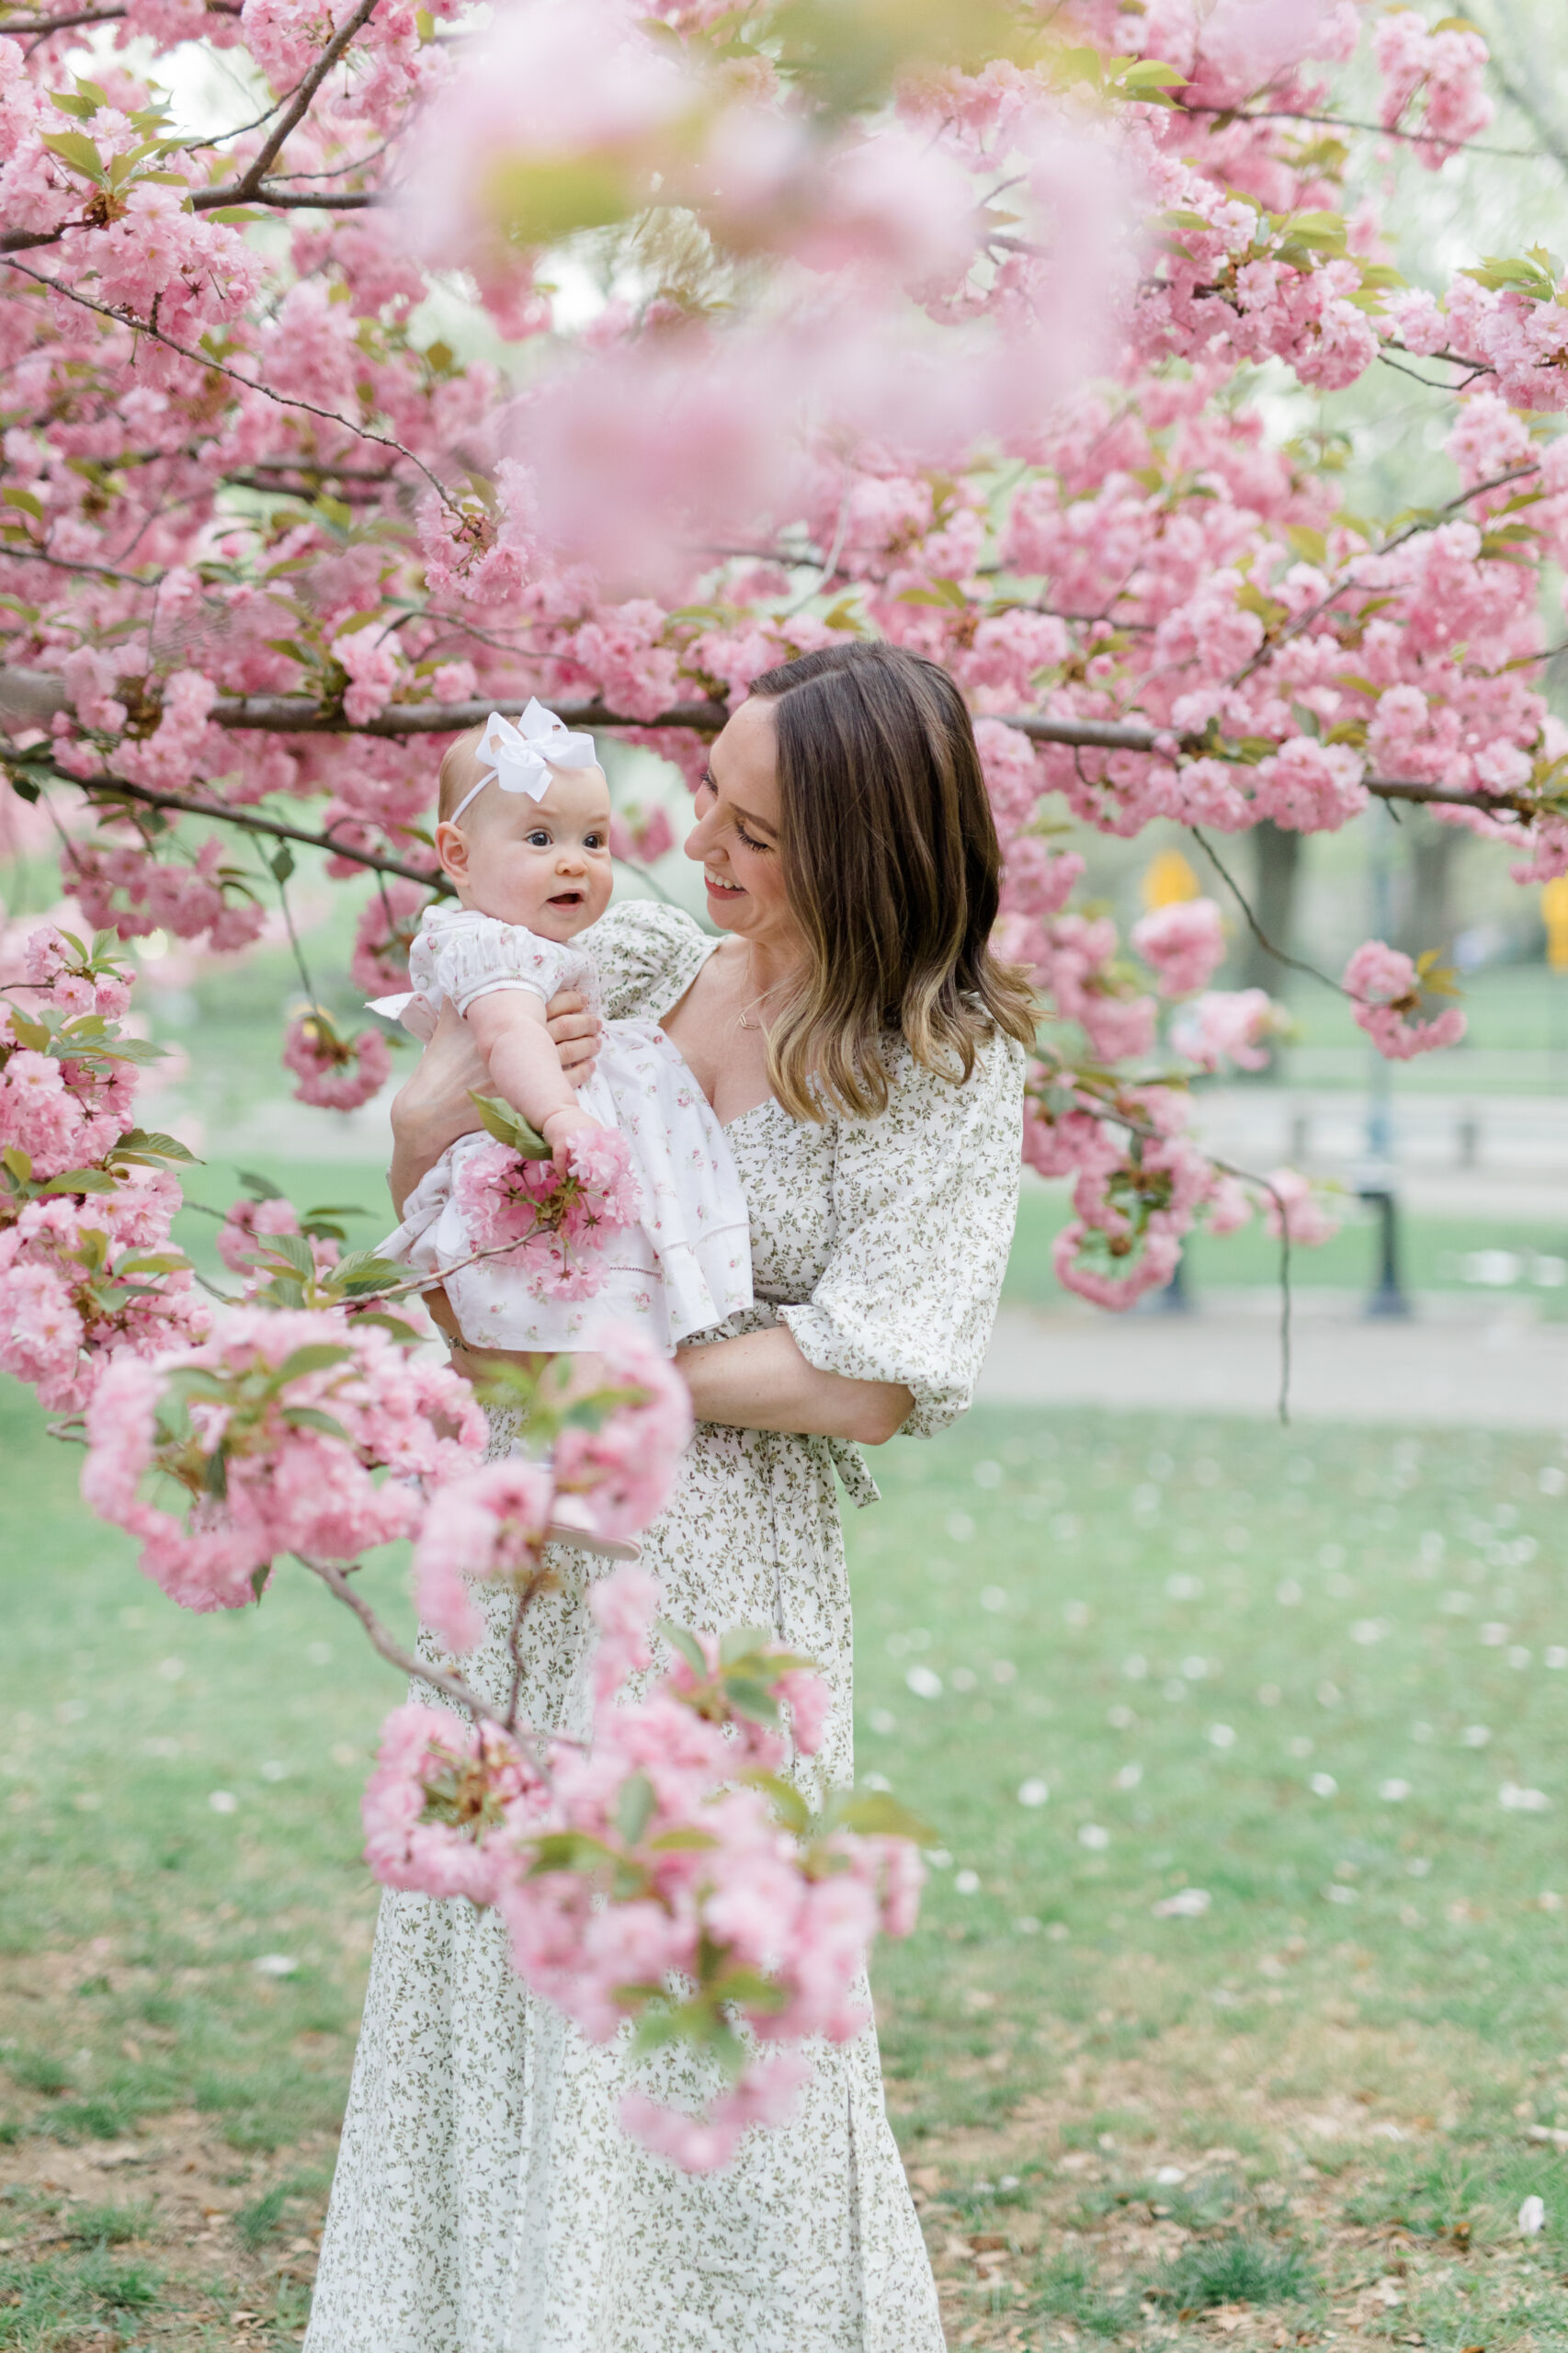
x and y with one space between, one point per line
1293 963
1100 1109
392 1650
1378 130
205 360
300 965
249 821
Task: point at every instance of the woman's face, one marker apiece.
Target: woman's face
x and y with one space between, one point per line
735 839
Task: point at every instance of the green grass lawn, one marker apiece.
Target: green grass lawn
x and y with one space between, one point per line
1112 1658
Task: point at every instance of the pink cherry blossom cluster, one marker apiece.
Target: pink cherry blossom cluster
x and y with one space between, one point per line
1442 68
682 1854
335 1071
557 1219
1183 944
1385 987
87 1269
269 1436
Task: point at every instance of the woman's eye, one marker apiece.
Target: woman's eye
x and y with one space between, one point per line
742 835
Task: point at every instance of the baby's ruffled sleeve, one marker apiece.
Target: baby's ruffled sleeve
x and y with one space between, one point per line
926 1199
475 960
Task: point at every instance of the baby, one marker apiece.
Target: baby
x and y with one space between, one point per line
524 837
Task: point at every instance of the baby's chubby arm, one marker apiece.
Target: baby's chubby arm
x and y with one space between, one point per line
508 1026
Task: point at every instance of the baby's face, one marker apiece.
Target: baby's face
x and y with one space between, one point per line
543 864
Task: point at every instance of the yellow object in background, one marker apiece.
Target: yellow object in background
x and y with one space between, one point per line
1168 878
1555 915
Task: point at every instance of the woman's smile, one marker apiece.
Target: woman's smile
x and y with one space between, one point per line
719 888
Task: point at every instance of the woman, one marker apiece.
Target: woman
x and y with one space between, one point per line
865 1053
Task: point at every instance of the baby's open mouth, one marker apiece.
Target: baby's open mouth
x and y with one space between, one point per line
567 899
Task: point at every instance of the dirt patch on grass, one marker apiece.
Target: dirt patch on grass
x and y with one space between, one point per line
1180 2197
223 2246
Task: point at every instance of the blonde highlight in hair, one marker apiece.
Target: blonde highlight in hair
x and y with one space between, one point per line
893 872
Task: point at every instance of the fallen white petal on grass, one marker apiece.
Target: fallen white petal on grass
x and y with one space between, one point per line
1093 1836
967 1882
223 1801
1394 1792
1515 1800
1222 1736
1324 1785
925 1682
1169 2177
1475 1736
1187 1904
275 1964
1033 1792
1532 2218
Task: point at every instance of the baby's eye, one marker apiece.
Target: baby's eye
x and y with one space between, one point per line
539 840
592 841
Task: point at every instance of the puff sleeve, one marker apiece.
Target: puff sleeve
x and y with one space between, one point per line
648 955
476 957
924 1200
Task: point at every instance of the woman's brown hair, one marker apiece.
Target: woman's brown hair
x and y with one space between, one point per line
892 869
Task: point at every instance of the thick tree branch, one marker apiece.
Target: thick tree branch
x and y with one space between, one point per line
241 190
30 698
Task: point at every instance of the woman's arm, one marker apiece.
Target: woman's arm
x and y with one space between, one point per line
432 1108
761 1381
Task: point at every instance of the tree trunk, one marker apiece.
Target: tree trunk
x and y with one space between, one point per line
1426 901
1276 877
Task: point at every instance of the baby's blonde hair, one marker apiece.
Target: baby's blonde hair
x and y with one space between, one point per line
457 777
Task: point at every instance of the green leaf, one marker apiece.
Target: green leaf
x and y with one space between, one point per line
751 1698
877 1813
316 1357
309 1417
788 1802
292 1249
507 1126
80 1180
14 497
743 1642
18 1164
282 863
261 1188
680 1639
360 1275
1309 544
682 1842
76 151
215 1478
634 1808
403 1333
151 1143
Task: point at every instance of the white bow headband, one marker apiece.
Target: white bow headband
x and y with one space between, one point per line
520 758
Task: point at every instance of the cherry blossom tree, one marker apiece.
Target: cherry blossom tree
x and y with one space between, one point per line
781 323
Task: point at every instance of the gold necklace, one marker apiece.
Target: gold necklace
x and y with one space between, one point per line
740 1021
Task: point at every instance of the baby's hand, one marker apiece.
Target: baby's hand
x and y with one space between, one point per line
561 1127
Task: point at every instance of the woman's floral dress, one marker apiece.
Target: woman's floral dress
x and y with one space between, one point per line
486 2200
